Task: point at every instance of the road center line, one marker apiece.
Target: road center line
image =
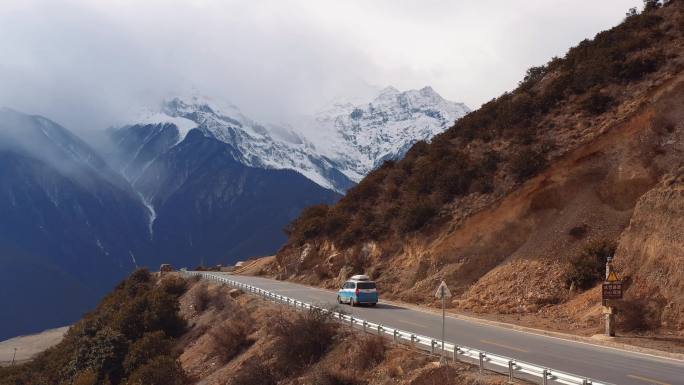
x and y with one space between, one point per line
505 346
646 379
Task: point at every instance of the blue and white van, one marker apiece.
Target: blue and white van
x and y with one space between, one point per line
358 290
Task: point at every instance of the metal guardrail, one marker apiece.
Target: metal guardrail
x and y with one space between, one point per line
505 364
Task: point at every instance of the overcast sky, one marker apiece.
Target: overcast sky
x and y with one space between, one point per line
85 63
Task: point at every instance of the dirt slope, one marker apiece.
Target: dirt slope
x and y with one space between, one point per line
651 255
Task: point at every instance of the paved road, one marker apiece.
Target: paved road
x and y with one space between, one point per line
600 363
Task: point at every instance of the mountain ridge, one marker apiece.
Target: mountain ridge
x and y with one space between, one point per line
334 157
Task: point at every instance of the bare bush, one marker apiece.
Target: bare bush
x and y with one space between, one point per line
328 377
200 297
231 337
174 285
254 372
303 339
369 351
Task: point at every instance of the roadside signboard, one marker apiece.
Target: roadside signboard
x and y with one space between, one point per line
612 290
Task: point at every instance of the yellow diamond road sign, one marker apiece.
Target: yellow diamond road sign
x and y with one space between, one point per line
612 277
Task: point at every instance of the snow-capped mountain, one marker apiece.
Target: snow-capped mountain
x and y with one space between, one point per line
257 145
334 147
358 138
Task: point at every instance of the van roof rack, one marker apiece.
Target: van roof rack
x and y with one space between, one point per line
360 278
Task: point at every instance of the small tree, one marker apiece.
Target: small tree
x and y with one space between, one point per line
589 267
650 5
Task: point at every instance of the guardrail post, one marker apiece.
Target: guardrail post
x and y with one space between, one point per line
482 356
379 330
432 346
351 321
585 382
413 340
545 377
394 336
364 326
456 350
511 379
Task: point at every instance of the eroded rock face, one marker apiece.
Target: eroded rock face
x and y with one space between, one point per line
650 254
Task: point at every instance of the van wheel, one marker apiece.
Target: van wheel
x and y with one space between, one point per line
339 300
373 304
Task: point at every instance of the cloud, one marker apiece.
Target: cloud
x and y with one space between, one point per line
87 63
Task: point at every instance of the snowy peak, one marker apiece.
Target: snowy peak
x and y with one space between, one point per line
360 137
264 146
335 147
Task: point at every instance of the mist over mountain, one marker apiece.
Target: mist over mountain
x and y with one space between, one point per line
71 227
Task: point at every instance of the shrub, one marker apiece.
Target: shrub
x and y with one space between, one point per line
369 351
101 353
200 297
589 267
597 103
145 349
162 370
230 337
87 377
254 372
416 216
328 377
527 163
302 340
632 316
174 285
637 68
578 232
309 224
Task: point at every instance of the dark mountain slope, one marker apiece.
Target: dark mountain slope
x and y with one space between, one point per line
70 225
213 209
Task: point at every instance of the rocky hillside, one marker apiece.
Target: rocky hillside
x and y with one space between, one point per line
518 205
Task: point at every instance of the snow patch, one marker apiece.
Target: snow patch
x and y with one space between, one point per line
184 125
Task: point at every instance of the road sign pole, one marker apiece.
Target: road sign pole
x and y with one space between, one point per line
443 360
442 293
608 309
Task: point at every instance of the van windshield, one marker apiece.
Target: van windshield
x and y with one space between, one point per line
365 285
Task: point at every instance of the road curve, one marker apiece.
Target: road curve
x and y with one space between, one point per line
600 363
